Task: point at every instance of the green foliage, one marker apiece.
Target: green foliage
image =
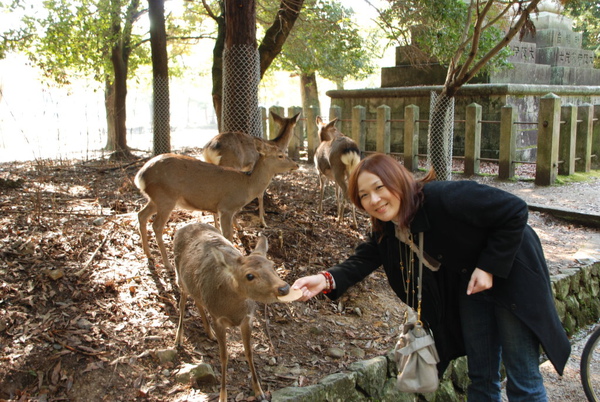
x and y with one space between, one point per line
326 40
433 30
586 19
67 38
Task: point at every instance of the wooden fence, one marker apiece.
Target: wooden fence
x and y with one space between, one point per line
568 136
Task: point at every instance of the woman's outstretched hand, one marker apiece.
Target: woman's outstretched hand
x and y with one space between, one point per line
480 281
310 286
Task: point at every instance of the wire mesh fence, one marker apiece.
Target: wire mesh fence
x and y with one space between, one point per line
241 77
441 133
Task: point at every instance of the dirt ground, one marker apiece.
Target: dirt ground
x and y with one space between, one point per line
82 315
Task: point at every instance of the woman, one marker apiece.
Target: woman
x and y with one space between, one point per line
487 291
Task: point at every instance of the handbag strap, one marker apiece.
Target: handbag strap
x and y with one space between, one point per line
420 278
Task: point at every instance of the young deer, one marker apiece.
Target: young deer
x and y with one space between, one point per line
170 181
239 150
335 158
226 284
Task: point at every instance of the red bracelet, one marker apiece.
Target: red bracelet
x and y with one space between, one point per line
328 280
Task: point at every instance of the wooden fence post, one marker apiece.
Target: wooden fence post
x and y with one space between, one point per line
359 115
566 141
383 129
273 129
547 143
312 135
411 138
596 138
335 112
297 140
583 142
472 139
263 117
508 147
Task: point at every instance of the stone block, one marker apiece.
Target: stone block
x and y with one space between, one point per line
371 375
560 38
523 52
310 393
562 56
546 20
522 73
408 76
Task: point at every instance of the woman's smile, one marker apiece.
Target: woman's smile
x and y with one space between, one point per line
376 199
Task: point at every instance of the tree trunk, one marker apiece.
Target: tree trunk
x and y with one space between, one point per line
269 48
109 106
217 67
120 102
160 74
241 72
278 32
309 91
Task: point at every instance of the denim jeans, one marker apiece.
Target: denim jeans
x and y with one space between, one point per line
493 334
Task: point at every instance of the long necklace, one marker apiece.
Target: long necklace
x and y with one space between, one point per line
407 272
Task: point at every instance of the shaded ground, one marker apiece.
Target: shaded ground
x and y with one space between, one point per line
82 314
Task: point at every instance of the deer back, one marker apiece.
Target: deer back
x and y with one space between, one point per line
241 151
233 149
218 276
172 179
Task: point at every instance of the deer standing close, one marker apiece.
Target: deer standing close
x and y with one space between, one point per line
239 150
171 180
227 285
335 158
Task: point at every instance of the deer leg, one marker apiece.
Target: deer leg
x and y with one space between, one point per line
145 213
158 225
226 219
261 209
322 180
221 333
182 301
341 194
246 329
205 322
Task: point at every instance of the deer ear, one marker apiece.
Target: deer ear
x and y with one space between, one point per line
259 144
332 123
276 117
319 121
262 245
296 117
218 256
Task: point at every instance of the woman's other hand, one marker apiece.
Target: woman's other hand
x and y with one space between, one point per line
310 286
480 281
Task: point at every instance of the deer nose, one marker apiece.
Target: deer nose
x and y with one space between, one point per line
284 290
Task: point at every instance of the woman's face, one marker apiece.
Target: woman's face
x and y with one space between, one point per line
376 199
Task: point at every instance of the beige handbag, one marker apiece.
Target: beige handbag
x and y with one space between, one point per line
415 353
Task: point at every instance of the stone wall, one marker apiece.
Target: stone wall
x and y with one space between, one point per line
492 97
578 303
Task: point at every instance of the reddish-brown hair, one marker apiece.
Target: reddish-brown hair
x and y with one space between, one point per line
398 180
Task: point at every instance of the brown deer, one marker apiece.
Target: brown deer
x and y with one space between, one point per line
335 158
227 285
171 180
240 151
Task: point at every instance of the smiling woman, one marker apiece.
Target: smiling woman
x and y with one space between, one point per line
487 288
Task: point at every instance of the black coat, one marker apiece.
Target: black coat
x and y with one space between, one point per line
467 225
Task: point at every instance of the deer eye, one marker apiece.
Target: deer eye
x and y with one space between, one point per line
250 277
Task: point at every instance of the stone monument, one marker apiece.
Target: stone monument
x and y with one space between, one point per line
551 56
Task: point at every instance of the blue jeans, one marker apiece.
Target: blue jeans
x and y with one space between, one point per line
493 334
